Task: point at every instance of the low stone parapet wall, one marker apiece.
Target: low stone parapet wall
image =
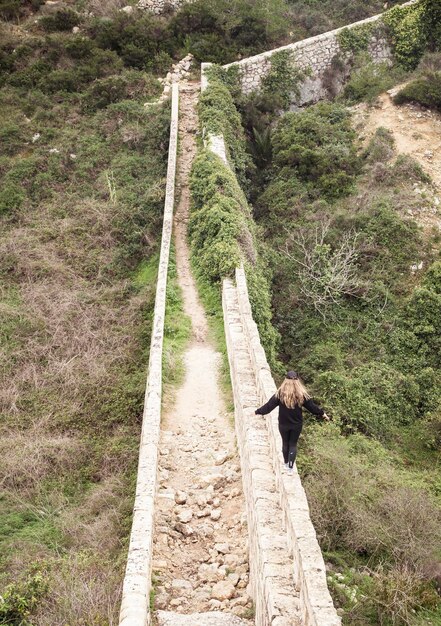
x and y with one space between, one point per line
135 604
309 568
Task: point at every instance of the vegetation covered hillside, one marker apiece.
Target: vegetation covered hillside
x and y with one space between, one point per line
356 299
82 166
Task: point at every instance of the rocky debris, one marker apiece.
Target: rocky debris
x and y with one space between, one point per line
223 590
220 458
222 548
180 497
215 515
185 515
214 618
179 72
184 529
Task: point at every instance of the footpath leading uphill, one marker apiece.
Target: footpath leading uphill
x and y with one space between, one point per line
200 538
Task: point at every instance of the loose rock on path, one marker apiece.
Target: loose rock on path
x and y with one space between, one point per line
200 559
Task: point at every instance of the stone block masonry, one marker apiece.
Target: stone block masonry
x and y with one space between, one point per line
309 572
135 605
315 56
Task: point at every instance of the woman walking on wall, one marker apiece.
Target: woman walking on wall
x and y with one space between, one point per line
291 397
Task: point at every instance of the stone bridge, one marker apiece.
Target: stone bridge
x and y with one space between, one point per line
287 571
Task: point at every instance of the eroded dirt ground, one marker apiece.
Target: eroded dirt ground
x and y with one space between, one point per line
417 132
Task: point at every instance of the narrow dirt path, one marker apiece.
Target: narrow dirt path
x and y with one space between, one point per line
200 551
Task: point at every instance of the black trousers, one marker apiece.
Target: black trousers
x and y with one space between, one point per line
290 438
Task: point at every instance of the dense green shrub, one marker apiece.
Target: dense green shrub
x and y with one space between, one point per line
425 90
283 80
60 20
219 116
137 37
374 399
11 198
218 217
11 138
406 32
13 9
220 30
368 80
105 91
356 39
317 147
19 600
431 23
222 236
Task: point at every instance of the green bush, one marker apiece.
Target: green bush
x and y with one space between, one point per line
316 147
19 600
425 90
11 198
222 236
137 38
218 217
374 399
356 39
283 80
431 23
220 30
219 116
381 147
131 84
368 80
13 9
60 20
406 32
11 139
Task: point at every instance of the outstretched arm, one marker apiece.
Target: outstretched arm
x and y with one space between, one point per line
268 407
314 409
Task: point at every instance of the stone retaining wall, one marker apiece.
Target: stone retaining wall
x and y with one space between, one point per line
135 605
315 55
276 599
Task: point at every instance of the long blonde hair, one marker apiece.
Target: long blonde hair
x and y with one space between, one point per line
292 392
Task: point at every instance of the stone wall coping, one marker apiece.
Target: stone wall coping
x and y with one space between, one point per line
135 603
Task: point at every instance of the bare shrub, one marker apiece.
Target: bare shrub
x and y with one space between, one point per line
398 593
403 524
354 507
93 524
325 273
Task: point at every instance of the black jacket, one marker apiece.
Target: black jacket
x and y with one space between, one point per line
289 418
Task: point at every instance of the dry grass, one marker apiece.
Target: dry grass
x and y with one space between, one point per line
28 457
85 591
74 337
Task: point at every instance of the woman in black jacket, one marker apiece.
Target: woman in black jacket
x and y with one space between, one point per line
290 398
